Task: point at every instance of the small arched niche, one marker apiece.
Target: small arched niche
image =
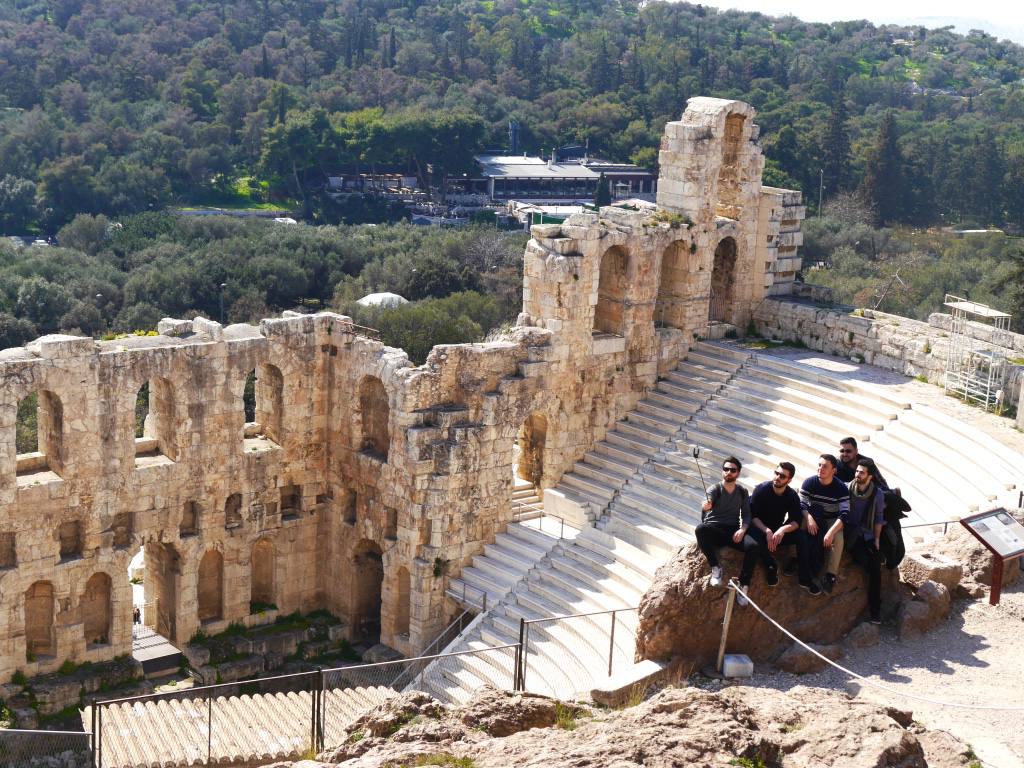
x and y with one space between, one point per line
403 605
368 578
530 449
262 595
39 605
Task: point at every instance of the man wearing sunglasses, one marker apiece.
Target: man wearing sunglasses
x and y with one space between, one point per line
849 457
774 522
725 517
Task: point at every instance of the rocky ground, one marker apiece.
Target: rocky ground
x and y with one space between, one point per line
677 726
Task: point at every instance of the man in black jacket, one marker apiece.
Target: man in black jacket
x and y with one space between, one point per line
849 456
774 521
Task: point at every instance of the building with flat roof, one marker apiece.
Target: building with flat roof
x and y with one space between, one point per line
514 177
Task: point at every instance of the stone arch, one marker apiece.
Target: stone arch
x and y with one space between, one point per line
270 401
368 573
210 587
530 443
676 286
39 607
730 171
39 433
263 567
374 418
612 283
404 604
97 609
723 281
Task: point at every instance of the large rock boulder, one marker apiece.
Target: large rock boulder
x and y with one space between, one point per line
802 727
681 615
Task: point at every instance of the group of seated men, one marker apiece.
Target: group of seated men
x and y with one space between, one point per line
839 509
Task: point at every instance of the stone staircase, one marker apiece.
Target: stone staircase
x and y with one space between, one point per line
641 492
174 733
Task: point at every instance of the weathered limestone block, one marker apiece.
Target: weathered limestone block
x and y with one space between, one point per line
919 567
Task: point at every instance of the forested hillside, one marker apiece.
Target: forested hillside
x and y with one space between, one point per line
123 106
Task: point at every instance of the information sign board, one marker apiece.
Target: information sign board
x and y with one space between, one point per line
1002 535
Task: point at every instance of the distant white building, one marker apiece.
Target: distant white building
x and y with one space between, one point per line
383 300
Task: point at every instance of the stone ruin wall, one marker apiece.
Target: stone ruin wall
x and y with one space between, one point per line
364 481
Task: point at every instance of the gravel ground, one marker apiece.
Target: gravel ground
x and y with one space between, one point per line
974 657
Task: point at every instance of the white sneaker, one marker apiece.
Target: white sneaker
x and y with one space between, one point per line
741 595
716 576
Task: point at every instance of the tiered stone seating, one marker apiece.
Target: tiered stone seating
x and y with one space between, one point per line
646 490
246 730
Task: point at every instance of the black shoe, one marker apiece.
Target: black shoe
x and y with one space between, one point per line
790 567
771 577
812 587
829 582
876 619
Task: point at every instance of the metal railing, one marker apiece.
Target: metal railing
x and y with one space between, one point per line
29 749
599 643
442 641
276 718
461 596
522 511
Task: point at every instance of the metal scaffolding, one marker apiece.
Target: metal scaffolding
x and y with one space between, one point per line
976 368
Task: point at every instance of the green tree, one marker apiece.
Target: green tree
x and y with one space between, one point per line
603 195
66 188
17 204
883 179
835 161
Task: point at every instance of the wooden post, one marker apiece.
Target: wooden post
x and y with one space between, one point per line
725 628
997 580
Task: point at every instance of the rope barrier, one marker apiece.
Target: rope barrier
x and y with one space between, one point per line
733 584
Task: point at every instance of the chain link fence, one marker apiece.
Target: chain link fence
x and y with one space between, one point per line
45 749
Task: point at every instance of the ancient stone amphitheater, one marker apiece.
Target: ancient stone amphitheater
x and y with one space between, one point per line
397 496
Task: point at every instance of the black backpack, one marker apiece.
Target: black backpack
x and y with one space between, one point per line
891 546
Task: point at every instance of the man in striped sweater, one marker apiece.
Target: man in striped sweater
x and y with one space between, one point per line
825 502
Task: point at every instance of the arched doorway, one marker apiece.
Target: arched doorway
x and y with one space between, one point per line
611 292
675 290
723 279
39 620
368 571
262 594
210 587
162 577
97 609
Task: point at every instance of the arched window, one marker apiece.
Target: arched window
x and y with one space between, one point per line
374 418
263 403
210 587
611 292
39 434
233 511
368 570
155 420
